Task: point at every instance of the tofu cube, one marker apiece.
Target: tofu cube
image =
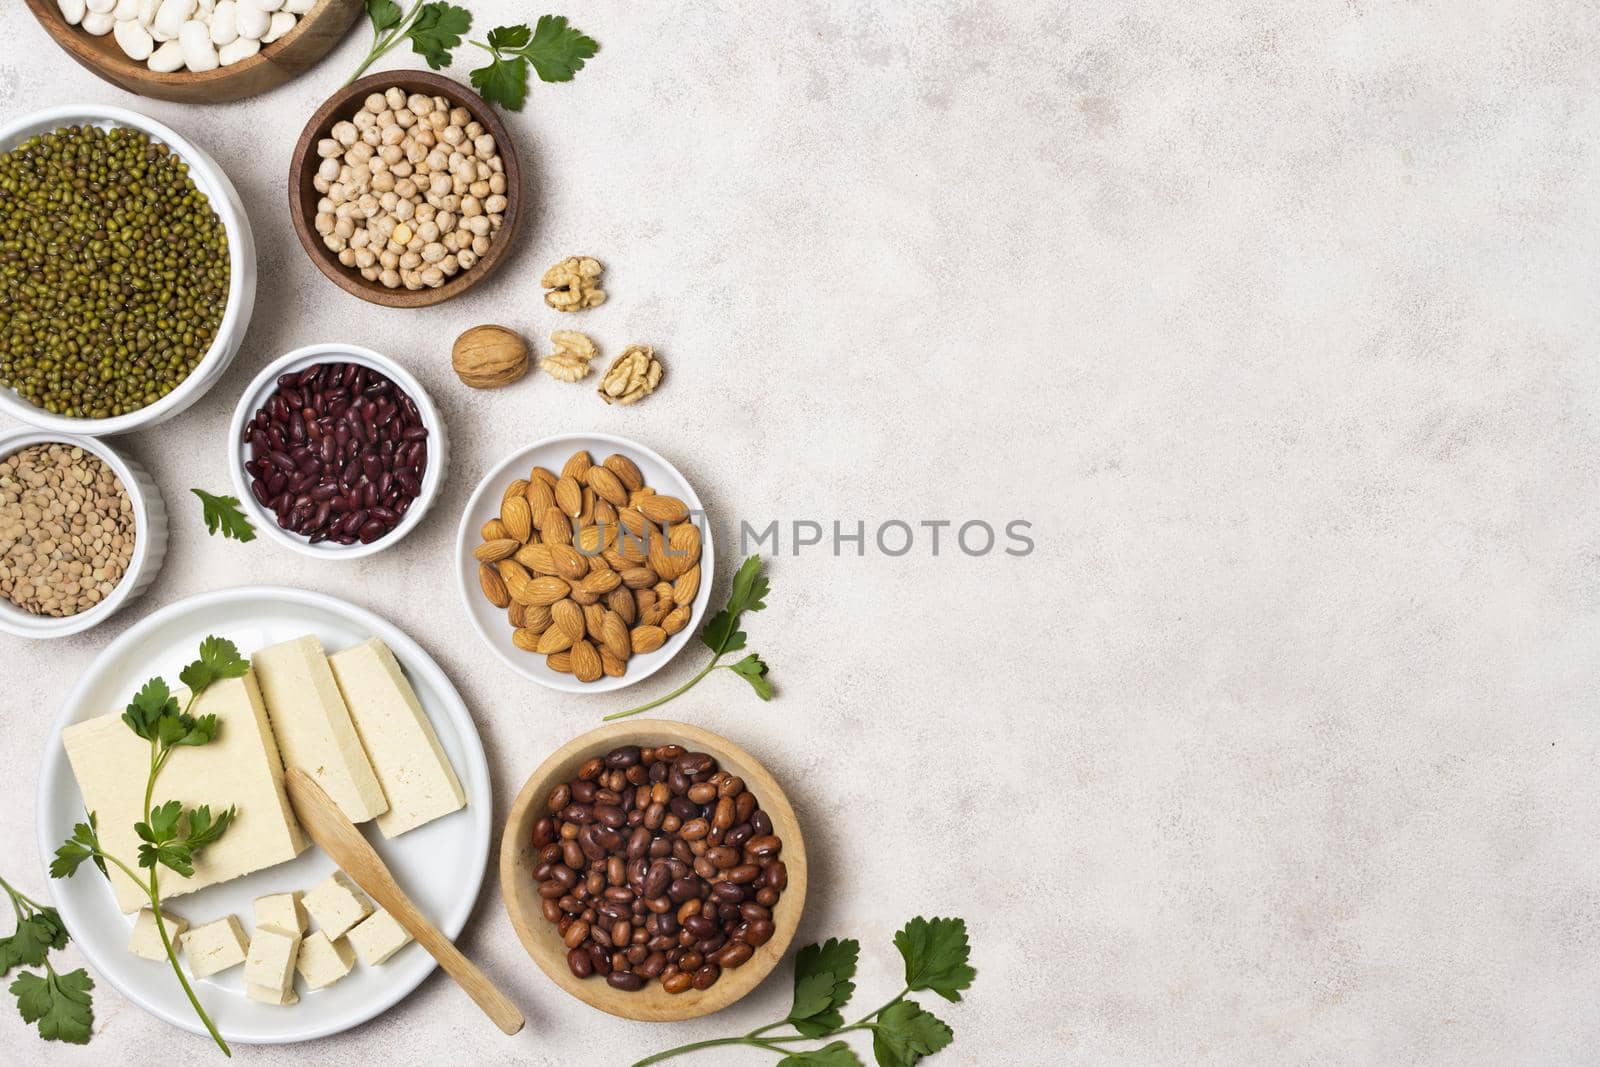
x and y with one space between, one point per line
337 905
377 937
282 911
272 996
216 946
146 940
323 962
270 963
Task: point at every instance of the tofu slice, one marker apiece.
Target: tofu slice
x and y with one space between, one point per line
411 765
273 996
240 767
323 962
337 905
313 727
282 911
377 937
269 965
216 946
146 940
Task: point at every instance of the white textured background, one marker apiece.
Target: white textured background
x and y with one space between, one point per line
1278 319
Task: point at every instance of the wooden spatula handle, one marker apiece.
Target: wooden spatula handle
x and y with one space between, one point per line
336 835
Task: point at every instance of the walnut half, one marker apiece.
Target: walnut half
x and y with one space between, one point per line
570 361
574 284
633 376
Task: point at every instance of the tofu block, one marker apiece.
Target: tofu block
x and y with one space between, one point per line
240 767
313 727
146 941
411 765
377 937
283 912
337 905
215 946
322 961
270 962
273 996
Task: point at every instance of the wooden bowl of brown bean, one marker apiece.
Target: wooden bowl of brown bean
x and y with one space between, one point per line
349 107
610 749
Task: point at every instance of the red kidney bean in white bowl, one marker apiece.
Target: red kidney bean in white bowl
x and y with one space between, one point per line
339 452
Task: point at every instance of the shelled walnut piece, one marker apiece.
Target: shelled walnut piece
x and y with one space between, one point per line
633 376
574 284
413 190
66 530
592 565
570 360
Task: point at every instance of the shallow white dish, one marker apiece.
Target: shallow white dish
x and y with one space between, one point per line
262 388
210 180
149 539
440 865
552 452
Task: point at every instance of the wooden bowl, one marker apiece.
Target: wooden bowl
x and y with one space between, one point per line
297 51
542 938
303 197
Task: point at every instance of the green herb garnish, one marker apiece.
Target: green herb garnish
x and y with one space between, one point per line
722 636
222 512
554 49
935 953
59 1003
171 834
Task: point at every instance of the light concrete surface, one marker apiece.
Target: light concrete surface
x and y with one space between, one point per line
1277 320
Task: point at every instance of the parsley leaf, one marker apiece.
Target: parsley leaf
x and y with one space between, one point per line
509 37
436 30
822 985
752 670
503 81
904 1033
59 1003
557 50
145 712
722 633
176 856
163 824
83 844
219 658
34 936
223 512
383 14
838 1054
936 951
202 830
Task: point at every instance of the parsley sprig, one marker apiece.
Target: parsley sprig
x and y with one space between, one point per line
59 1003
222 512
936 956
722 636
172 835
552 48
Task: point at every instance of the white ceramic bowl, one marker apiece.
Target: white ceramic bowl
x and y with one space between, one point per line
210 180
552 452
149 539
266 383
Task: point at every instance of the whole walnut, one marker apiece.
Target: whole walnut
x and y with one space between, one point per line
486 357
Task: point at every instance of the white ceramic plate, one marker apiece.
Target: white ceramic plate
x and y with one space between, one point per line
440 865
209 179
553 452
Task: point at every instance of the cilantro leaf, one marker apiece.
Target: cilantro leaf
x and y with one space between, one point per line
144 713
509 38
822 985
219 658
503 81
383 14
752 670
838 1054
904 1033
436 30
557 51
202 830
59 1003
936 951
34 936
83 844
223 512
